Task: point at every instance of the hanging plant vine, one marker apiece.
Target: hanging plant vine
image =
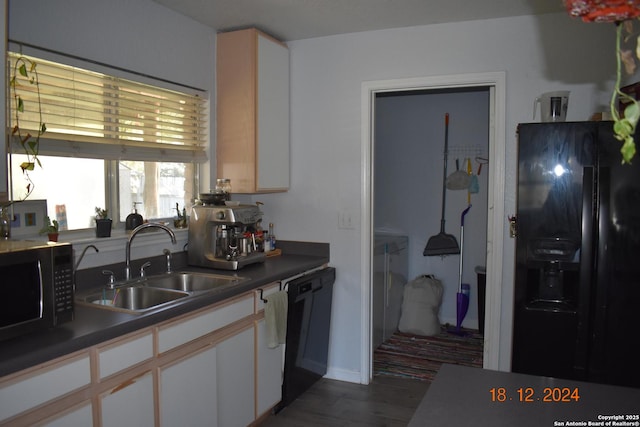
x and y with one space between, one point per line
624 127
25 72
622 13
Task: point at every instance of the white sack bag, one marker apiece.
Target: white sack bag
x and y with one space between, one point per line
420 306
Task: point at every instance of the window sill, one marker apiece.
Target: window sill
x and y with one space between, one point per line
112 249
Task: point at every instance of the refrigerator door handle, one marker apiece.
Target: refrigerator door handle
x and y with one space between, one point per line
597 342
586 271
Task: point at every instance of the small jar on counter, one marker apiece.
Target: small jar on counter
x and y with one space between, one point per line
272 237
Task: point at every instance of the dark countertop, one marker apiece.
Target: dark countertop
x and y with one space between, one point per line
92 326
464 396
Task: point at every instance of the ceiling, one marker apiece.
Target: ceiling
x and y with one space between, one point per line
301 19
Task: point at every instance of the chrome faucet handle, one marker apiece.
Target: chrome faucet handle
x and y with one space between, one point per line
112 278
143 274
167 253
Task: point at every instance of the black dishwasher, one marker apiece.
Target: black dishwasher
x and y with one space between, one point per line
308 322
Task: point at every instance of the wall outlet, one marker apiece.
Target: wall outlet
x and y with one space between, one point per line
345 220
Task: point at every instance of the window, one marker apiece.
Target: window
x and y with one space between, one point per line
109 142
155 187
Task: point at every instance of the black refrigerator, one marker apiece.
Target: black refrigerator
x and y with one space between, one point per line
577 278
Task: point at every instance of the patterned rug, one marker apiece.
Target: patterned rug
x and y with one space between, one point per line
420 357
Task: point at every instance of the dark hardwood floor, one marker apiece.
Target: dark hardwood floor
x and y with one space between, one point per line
386 401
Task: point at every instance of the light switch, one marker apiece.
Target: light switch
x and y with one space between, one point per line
345 220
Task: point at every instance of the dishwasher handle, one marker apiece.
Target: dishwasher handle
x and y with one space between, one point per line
312 282
303 288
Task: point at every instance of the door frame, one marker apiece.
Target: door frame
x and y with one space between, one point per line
495 330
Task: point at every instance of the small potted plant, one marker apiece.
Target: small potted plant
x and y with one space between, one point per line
103 223
181 221
50 228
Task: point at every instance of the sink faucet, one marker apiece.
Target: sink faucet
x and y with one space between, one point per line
127 269
75 267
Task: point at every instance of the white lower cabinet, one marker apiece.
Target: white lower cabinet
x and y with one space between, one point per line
209 368
269 366
188 392
129 404
43 384
235 379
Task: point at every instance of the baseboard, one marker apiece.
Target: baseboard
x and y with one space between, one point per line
343 375
467 323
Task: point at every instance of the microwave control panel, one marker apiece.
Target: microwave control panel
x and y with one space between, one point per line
63 286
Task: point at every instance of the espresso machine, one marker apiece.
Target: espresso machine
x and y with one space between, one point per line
223 236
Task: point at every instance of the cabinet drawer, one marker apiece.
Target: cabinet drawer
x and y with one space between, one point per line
43 384
124 353
183 331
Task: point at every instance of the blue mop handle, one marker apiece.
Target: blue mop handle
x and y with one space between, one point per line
464 212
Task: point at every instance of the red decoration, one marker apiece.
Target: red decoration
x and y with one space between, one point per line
603 10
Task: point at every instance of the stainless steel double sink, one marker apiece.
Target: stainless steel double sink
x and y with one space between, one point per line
156 292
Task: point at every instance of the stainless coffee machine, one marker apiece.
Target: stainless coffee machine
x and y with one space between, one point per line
223 237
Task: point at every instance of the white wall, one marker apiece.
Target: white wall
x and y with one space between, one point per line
537 55
326 77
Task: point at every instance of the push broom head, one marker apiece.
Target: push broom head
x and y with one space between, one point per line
441 244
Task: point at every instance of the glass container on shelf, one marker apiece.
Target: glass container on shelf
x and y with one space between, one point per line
223 185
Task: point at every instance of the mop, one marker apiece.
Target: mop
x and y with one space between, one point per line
462 297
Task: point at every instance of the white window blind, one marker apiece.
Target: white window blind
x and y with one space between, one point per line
94 115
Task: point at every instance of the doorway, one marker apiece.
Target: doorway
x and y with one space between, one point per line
495 82
408 185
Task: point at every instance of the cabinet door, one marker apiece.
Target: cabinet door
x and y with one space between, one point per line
130 403
273 115
235 379
188 395
44 385
252 142
269 364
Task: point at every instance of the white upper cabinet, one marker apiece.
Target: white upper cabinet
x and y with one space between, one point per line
252 89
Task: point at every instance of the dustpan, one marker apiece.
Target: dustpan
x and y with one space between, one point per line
443 243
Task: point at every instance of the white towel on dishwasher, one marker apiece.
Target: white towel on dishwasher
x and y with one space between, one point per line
275 314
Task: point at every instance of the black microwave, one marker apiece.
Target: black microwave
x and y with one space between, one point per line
36 281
